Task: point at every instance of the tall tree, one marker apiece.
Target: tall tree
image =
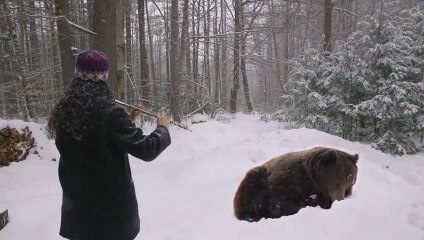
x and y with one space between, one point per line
184 39
328 11
236 68
216 56
131 91
174 75
34 43
152 74
144 65
224 84
195 19
243 64
206 28
18 64
66 41
109 25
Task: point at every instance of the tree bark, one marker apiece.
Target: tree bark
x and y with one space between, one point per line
54 53
328 10
175 78
11 107
206 24
276 48
243 64
216 49
18 63
184 38
236 67
167 48
195 30
131 92
34 43
152 74
66 41
109 25
120 49
224 87
186 48
144 65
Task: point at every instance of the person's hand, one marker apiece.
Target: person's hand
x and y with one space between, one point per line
135 112
163 119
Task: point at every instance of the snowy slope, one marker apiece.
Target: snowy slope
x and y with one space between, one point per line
187 193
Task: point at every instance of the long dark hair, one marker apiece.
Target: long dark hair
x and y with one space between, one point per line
72 115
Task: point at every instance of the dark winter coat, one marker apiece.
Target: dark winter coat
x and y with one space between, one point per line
99 200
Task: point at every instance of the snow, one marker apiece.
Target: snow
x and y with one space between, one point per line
187 192
199 118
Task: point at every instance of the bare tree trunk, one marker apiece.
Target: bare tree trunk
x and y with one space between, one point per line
195 30
56 53
243 64
276 48
144 65
175 80
90 16
17 57
120 49
152 74
167 50
128 43
66 41
184 41
216 57
286 49
34 43
11 101
328 10
236 67
188 62
109 26
206 24
224 84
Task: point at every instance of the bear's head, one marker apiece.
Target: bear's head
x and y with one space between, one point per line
335 173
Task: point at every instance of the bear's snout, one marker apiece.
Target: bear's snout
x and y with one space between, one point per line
337 195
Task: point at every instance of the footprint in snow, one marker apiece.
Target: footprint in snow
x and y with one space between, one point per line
416 217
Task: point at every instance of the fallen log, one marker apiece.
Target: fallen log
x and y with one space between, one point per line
4 219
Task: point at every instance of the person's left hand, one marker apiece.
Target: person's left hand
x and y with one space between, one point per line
135 113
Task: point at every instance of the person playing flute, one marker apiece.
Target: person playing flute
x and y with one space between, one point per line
94 136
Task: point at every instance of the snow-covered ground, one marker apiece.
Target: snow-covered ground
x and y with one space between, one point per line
187 193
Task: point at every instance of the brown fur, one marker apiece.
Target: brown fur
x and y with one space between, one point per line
287 183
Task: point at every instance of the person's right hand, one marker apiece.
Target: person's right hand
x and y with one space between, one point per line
163 119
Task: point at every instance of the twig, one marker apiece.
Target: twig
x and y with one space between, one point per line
201 107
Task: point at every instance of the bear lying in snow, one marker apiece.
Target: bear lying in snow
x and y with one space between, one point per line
287 183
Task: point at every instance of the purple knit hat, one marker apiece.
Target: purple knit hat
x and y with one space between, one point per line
92 65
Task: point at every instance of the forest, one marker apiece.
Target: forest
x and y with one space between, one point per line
351 68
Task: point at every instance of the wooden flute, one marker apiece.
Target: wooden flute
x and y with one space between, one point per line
149 114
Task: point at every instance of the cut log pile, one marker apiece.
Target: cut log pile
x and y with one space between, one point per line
4 219
15 146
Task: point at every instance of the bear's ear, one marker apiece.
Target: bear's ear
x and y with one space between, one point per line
327 158
355 158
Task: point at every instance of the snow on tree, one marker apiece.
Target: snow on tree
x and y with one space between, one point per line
370 88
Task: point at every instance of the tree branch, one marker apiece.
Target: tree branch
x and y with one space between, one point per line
82 29
346 11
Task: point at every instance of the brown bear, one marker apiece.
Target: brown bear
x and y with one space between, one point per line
287 183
